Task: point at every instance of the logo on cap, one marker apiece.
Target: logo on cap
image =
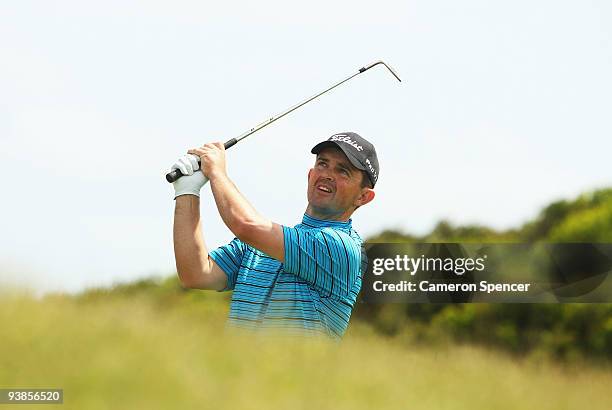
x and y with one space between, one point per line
346 139
372 169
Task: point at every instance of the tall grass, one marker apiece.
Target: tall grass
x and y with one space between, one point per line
136 350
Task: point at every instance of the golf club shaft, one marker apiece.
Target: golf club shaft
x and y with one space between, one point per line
176 173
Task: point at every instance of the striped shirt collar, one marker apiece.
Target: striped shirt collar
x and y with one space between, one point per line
321 223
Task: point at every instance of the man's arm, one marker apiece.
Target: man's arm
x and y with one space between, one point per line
244 221
237 213
194 266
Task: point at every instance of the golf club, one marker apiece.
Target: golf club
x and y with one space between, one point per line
176 173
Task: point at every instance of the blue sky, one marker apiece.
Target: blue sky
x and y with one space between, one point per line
505 106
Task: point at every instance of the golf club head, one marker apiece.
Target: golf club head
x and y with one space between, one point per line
383 63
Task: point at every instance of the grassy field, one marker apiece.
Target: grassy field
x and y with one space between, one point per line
138 351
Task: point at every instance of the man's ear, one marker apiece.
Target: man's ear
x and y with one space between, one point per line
309 172
367 195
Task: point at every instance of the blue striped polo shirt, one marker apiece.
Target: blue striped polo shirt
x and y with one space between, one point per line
313 292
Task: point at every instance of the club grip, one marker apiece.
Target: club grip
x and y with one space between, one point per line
230 143
173 175
176 173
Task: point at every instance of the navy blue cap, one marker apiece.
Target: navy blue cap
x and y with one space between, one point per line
359 151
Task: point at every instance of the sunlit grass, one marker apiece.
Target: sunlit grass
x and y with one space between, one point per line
171 351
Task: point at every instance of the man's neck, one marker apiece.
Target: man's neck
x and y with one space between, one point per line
327 216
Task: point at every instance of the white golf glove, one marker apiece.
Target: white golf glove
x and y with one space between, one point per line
192 180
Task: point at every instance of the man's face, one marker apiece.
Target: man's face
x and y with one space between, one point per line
334 184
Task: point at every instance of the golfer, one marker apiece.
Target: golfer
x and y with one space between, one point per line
302 279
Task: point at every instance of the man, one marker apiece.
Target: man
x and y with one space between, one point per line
302 279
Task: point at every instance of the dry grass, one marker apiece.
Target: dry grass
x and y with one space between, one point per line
137 353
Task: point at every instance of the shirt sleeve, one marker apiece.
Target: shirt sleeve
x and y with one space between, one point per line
328 259
229 258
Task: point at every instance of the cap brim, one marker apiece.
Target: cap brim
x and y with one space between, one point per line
327 144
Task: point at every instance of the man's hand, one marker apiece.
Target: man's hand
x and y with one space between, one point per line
192 180
212 157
